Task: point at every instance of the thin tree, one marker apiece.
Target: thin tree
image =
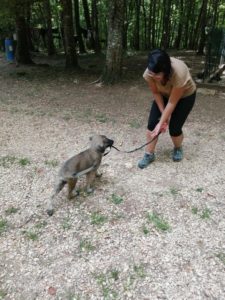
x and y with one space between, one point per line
50 43
166 24
22 48
203 27
70 51
90 36
95 26
114 55
137 25
78 27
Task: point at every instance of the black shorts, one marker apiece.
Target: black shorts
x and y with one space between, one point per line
178 117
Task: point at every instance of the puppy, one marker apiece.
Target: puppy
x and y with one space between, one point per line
86 162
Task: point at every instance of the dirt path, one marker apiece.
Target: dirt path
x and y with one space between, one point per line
150 234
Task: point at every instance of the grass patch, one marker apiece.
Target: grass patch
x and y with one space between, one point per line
101 118
203 214
11 210
145 230
206 214
115 274
97 219
158 222
140 271
7 161
3 225
134 124
66 225
24 162
221 257
194 210
2 294
86 245
105 281
41 225
31 235
174 191
116 199
52 163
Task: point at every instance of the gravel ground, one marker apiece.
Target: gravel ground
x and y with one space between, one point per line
157 233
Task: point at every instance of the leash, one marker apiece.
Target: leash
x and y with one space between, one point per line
138 148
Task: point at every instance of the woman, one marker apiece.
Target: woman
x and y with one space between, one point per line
174 94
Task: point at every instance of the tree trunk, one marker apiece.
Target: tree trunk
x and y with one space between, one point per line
78 28
114 56
50 43
94 9
203 26
166 24
70 51
180 26
29 37
22 47
137 25
90 37
145 43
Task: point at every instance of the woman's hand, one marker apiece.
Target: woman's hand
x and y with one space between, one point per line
159 128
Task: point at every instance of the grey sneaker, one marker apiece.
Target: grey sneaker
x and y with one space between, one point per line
177 154
146 160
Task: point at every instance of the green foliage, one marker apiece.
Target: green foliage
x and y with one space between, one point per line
116 199
97 219
3 225
11 210
158 221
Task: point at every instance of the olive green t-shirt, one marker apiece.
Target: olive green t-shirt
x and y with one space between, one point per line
180 77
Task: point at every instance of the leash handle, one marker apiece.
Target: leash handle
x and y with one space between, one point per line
130 151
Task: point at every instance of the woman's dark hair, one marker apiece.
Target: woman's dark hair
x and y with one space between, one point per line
159 61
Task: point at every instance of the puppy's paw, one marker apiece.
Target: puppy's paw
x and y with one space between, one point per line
50 212
73 194
98 175
90 190
76 193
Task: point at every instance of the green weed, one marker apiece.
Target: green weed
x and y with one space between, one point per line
174 191
3 225
24 162
145 230
206 213
116 199
101 118
66 225
194 210
7 161
104 282
97 219
2 294
52 163
221 257
41 225
135 124
199 190
86 245
11 210
115 274
31 235
139 271
158 222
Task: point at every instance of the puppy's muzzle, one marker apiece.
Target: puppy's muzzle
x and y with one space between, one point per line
110 143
